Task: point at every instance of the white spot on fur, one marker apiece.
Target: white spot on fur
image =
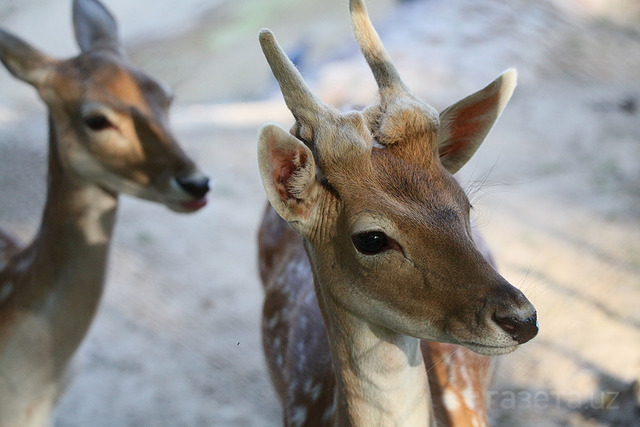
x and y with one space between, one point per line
271 323
451 401
25 263
298 416
5 290
469 398
312 389
328 413
308 383
315 392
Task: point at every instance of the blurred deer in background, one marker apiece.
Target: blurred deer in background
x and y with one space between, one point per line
108 134
369 260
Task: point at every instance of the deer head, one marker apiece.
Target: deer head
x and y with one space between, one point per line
110 118
385 224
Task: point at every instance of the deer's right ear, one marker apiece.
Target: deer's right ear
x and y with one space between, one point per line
23 60
288 174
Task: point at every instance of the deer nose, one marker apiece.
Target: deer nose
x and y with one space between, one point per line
521 330
197 186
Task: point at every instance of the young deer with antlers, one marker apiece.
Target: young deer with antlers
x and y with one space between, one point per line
379 255
108 134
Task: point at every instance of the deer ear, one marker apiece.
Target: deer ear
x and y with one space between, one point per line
95 28
288 174
23 60
465 124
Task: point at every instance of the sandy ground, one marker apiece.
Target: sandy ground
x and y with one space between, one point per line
556 188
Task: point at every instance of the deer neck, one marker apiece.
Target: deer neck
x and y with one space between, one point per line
67 260
380 374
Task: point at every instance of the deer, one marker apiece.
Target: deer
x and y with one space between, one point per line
383 306
108 134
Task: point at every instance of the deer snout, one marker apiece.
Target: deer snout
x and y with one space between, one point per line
510 314
195 185
514 314
520 329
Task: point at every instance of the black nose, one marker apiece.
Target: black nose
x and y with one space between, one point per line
197 187
520 330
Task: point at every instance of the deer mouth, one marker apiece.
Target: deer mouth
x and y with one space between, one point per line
194 205
489 350
187 206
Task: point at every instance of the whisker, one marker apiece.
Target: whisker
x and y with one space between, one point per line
442 359
477 188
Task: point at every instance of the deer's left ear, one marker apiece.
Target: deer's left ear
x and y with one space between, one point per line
465 124
95 28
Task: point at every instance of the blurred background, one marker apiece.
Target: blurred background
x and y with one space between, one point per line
556 187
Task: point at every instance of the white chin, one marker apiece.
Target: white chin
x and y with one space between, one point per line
487 350
178 208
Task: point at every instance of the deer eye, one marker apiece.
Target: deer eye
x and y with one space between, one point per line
97 122
371 242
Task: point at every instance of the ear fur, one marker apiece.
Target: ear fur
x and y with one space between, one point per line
95 28
465 124
287 169
23 60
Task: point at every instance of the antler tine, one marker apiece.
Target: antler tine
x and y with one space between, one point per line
379 61
302 103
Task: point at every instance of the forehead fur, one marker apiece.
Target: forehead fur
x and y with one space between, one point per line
103 76
404 189
343 144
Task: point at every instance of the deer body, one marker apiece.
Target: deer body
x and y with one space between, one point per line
107 134
379 269
61 272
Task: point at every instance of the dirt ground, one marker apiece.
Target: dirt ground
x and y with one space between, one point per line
556 188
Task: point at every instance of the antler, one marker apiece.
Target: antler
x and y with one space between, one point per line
327 132
303 104
401 122
412 129
379 61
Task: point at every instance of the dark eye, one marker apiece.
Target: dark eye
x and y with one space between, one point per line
370 242
97 122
